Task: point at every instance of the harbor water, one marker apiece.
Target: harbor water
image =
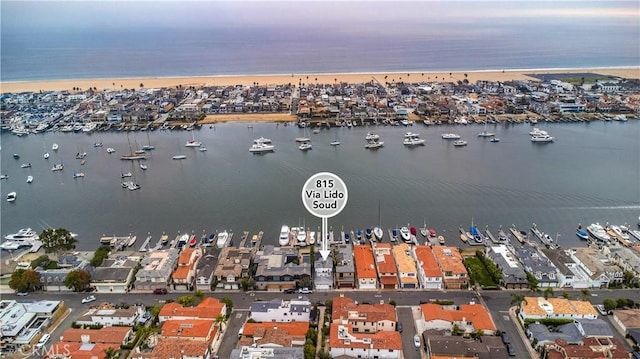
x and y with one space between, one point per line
591 173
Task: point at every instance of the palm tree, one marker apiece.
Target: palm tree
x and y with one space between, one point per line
220 321
111 353
585 294
518 299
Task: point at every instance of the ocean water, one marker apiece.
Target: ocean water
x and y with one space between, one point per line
589 174
215 48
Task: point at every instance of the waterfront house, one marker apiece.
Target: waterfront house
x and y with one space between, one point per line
455 275
323 272
366 274
555 308
345 267
365 318
596 266
345 341
452 346
22 323
115 273
429 273
513 274
407 271
184 275
52 280
468 318
205 268
156 269
277 269
536 263
232 266
385 265
626 258
208 308
108 315
568 274
278 310
269 335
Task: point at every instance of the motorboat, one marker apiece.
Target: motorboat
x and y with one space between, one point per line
542 138
25 165
598 232
11 197
9 246
81 155
97 144
261 148
46 155
57 167
202 149
459 143
582 234
143 166
305 146
374 144
24 235
55 147
441 240
29 179
312 237
125 175
413 231
302 236
371 136
16 156
110 150
494 140
394 235
192 241
262 140
378 232
4 176
222 239
450 136
405 234
368 232
412 139
432 233
619 232
358 234
132 186
283 240
78 174
182 241
179 157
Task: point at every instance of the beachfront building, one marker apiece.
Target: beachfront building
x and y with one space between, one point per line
536 263
513 274
366 274
385 265
277 269
429 273
455 275
183 276
205 268
115 273
232 266
468 318
596 266
208 308
345 267
278 310
345 341
108 315
156 270
407 270
52 280
22 323
270 335
625 258
533 308
568 274
365 318
323 272
266 353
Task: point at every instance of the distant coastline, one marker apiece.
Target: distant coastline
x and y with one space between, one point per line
314 78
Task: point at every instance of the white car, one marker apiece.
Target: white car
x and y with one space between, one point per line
88 299
416 341
43 341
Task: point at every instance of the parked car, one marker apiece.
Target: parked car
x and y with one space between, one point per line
600 309
43 341
289 291
305 291
505 338
22 294
399 326
160 291
416 341
88 299
510 350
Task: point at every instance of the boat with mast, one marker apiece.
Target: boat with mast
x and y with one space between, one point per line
148 146
132 156
179 156
424 230
486 133
193 142
335 142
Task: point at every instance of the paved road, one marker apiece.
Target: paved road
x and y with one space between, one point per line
497 302
405 316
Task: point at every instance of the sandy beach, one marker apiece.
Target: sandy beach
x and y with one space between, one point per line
134 83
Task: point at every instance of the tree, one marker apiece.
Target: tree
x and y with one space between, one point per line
629 277
220 321
455 330
229 303
187 300
57 240
518 299
565 295
199 294
99 256
548 292
533 283
609 304
42 261
110 353
24 280
77 280
585 294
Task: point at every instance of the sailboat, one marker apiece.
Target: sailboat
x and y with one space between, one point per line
306 144
179 156
485 133
377 230
193 142
132 156
335 142
423 230
148 146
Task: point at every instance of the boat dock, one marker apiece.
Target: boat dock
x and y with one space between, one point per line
118 243
490 235
625 242
145 245
516 233
543 237
243 239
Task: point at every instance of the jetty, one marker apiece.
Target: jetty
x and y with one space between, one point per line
243 239
145 245
518 234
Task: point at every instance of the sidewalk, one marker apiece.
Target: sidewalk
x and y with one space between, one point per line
523 336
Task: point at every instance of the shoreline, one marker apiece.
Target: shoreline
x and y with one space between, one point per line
313 78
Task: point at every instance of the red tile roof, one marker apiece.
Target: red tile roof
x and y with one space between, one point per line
341 307
365 267
208 308
70 350
427 261
293 328
384 259
106 335
475 313
383 340
177 348
191 328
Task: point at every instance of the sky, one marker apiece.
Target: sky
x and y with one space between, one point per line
24 15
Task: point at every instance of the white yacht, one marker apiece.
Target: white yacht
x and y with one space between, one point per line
57 167
11 197
371 137
25 234
459 143
302 236
450 136
543 138
536 131
618 231
262 140
412 139
405 234
284 235
305 146
374 144
222 239
29 179
598 232
261 148
55 147
46 155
